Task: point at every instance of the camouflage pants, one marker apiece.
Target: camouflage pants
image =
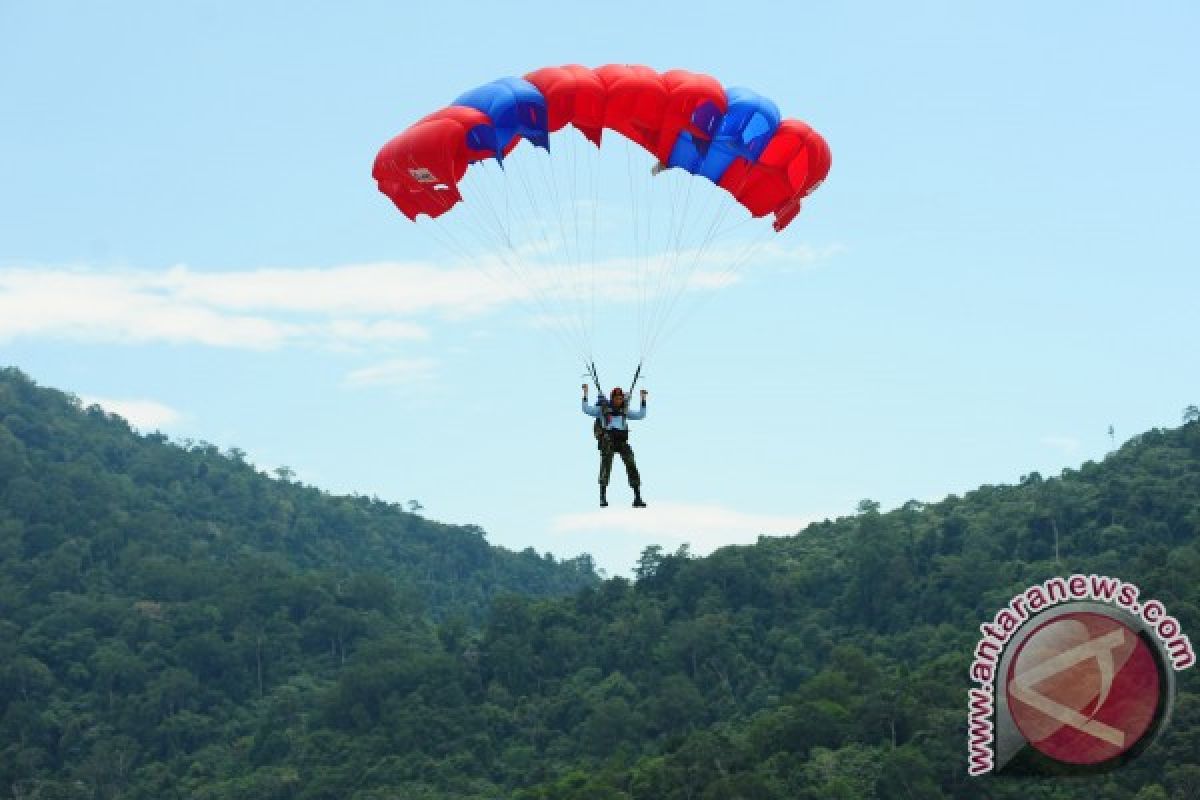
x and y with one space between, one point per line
607 448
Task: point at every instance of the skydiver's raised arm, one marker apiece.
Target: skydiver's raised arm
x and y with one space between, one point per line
591 411
641 412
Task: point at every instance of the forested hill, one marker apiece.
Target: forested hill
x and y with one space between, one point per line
89 507
833 664
178 640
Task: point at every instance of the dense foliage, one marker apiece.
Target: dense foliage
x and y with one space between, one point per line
167 635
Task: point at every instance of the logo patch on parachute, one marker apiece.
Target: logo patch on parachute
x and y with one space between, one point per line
422 175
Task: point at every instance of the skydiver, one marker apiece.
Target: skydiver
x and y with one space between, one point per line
612 418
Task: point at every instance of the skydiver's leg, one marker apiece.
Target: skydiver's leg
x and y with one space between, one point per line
606 458
631 471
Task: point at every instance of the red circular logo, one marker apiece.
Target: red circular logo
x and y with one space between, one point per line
1083 688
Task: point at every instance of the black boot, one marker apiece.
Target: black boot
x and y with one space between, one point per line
637 498
603 496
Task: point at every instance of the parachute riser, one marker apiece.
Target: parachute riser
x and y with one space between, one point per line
595 378
637 374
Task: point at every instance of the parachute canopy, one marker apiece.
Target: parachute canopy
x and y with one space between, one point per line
734 137
572 234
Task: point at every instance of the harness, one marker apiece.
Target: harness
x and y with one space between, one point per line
606 436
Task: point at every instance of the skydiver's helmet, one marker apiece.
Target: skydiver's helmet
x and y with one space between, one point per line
617 394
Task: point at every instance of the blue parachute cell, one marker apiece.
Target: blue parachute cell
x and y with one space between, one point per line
689 150
515 107
743 132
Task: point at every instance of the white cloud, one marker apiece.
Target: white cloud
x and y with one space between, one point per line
382 289
256 309
705 526
394 372
356 305
1065 444
124 307
801 255
142 414
352 331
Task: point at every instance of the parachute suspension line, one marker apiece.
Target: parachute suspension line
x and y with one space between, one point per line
565 190
486 213
578 292
680 278
648 267
484 189
648 199
730 273
562 250
633 262
714 233
581 295
714 210
672 252
636 240
671 232
559 194
539 220
477 262
436 229
661 186
495 216
653 268
664 273
581 263
555 262
594 164
474 230
666 266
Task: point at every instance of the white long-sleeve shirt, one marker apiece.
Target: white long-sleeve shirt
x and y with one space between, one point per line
615 422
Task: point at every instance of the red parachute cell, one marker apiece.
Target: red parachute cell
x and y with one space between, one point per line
790 168
420 169
574 95
636 102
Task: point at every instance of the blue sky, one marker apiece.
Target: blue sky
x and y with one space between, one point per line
1001 264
